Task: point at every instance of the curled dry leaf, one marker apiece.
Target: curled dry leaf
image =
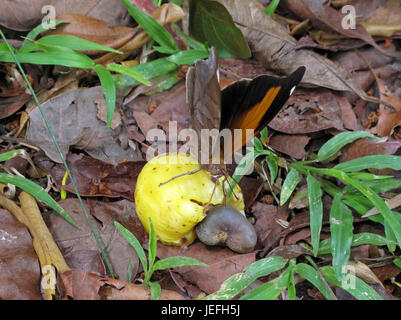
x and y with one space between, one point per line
276 49
11 16
322 13
80 285
94 30
165 14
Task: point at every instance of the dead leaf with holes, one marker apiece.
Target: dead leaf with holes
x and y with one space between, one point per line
73 118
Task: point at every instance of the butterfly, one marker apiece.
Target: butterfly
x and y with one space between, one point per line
244 106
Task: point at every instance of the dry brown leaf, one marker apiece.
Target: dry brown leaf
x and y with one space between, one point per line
222 263
165 14
294 146
71 239
276 49
94 30
320 12
73 117
80 285
19 267
309 111
13 17
388 119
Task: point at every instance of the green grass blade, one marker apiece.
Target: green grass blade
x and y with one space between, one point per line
238 282
379 161
131 72
74 43
35 32
352 284
367 176
314 277
243 167
378 186
189 41
155 290
289 185
37 192
173 262
188 57
109 90
341 226
331 147
357 240
269 290
71 58
148 70
273 166
316 210
269 10
133 241
373 197
152 27
9 155
152 245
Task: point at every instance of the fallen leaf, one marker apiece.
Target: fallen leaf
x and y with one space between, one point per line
89 174
388 119
70 239
222 264
10 105
322 13
266 227
347 113
19 267
88 260
80 285
73 118
275 48
11 16
94 30
366 147
308 111
171 106
289 251
294 146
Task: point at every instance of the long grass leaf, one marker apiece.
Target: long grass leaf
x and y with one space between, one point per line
331 147
352 284
379 161
152 27
109 90
314 277
37 192
316 210
341 226
290 183
133 241
238 282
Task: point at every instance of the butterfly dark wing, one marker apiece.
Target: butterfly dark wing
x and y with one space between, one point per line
254 103
203 94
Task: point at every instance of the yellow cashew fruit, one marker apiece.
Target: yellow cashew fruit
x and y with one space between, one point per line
177 205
